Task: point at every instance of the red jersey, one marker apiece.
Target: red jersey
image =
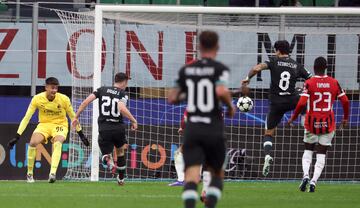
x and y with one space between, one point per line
183 120
321 93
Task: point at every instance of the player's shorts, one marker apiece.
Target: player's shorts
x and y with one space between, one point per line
277 111
204 146
323 139
110 138
49 131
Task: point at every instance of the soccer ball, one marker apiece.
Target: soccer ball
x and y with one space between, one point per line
245 104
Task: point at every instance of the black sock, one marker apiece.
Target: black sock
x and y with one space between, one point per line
267 144
190 194
121 166
214 192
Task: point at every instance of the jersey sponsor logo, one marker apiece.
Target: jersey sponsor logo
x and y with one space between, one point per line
200 119
320 124
284 93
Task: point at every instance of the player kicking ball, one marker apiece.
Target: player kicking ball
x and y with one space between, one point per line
283 97
112 108
53 125
321 91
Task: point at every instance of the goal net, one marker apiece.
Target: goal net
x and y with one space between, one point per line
151 43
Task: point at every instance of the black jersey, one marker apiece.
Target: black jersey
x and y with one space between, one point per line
109 115
198 80
284 73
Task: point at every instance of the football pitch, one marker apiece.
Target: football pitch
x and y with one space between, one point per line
159 195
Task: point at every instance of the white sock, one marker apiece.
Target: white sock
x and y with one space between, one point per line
306 162
206 180
179 165
302 120
319 166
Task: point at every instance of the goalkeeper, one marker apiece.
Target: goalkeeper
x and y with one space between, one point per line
53 126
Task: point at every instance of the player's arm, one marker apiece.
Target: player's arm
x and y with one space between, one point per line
24 122
182 123
223 93
346 106
304 73
126 113
304 96
299 107
176 94
253 71
82 107
75 123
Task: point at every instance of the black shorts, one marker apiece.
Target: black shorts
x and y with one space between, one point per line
110 138
204 146
278 109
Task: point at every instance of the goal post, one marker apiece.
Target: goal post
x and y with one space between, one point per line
154 42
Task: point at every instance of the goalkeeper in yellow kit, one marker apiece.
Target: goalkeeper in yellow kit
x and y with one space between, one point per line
53 125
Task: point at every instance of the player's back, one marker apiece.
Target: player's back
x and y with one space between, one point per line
284 73
200 79
322 92
109 115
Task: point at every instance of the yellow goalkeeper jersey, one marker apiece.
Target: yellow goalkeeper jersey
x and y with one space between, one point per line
53 112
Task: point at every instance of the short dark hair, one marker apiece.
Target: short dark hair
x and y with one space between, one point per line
208 40
320 65
283 46
51 81
120 77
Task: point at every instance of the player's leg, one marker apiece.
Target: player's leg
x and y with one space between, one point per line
215 160
36 139
321 149
179 167
55 157
309 142
58 134
106 146
206 179
272 120
121 164
190 194
121 144
193 158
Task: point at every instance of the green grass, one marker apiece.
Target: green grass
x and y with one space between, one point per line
159 195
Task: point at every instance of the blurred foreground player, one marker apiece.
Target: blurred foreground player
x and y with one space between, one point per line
203 83
179 164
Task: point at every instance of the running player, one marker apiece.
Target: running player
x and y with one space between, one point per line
204 84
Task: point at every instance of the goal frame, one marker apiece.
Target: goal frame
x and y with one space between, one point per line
98 24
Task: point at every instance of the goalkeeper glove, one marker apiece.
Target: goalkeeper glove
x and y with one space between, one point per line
84 140
13 141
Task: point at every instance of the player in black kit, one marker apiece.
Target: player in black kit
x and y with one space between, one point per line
283 96
203 83
112 108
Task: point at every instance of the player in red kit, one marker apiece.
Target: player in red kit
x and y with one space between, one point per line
320 92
